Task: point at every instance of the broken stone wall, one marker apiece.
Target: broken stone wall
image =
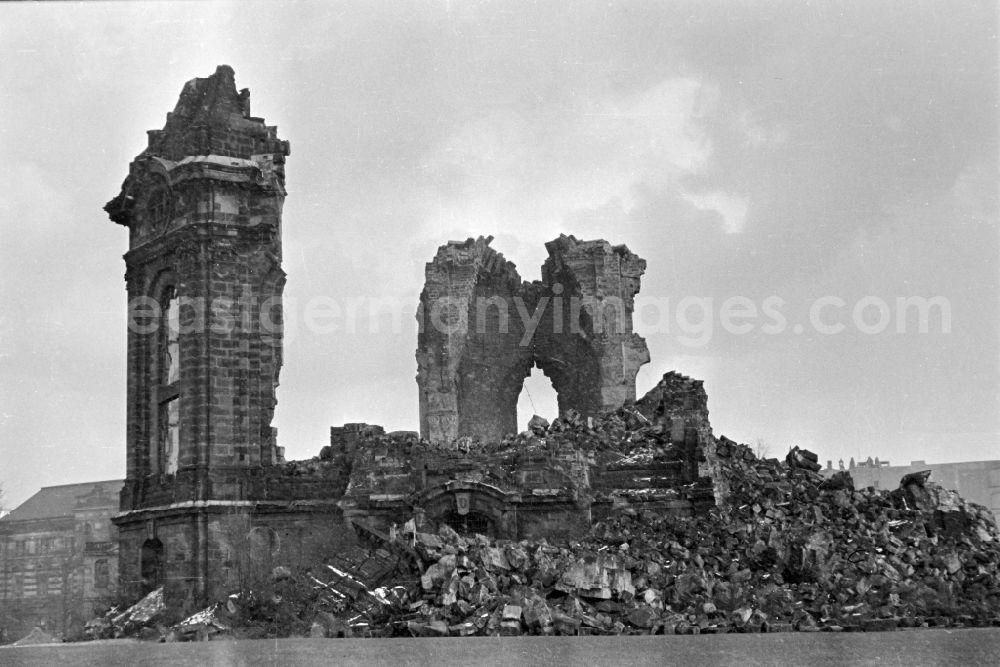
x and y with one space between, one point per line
482 330
510 492
678 405
554 480
470 358
585 343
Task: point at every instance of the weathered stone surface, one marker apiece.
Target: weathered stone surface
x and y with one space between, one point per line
203 206
538 425
551 481
482 330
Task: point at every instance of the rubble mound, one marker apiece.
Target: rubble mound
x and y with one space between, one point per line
771 546
786 550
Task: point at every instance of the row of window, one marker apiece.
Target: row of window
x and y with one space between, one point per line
41 586
46 585
43 545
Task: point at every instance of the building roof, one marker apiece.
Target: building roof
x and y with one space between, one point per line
56 501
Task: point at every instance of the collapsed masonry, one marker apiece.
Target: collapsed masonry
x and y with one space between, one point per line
787 550
552 481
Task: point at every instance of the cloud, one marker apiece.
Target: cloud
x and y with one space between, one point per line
530 172
732 208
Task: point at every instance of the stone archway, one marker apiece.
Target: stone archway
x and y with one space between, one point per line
575 373
482 330
537 397
487 394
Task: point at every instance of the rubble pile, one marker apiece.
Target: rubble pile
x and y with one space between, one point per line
341 598
574 454
788 550
785 550
134 620
764 546
475 586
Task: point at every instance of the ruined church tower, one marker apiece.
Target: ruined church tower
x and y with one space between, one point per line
202 204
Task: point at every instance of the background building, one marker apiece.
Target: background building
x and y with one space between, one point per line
58 558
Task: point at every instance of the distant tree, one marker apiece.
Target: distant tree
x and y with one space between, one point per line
761 448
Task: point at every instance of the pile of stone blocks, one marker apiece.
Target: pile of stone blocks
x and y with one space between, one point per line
787 551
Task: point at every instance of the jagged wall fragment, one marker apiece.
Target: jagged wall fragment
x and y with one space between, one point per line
482 330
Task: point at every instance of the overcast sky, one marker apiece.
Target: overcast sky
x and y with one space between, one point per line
786 150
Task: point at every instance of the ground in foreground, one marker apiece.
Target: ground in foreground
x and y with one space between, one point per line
923 647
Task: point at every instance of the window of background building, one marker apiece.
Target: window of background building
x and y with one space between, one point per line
102 574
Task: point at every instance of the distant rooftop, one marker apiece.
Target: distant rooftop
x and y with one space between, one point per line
56 501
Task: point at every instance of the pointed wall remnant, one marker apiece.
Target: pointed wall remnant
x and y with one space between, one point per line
482 330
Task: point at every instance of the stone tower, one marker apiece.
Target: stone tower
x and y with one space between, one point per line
202 204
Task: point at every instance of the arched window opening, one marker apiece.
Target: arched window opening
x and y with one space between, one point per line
168 408
538 397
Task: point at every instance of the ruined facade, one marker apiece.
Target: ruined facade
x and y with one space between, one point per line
208 497
482 330
202 204
548 482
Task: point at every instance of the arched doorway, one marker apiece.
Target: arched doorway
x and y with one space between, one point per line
538 397
151 564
